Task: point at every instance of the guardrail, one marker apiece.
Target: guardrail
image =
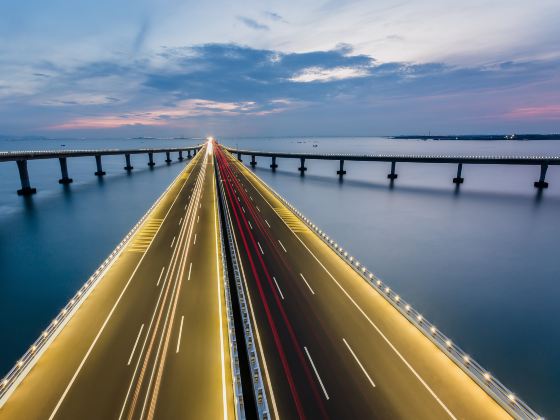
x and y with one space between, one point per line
542 161
235 370
499 392
22 367
256 373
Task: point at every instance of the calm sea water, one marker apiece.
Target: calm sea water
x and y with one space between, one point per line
481 262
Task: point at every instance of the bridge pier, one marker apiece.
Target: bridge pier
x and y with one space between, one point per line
458 179
302 167
64 170
151 162
273 165
168 157
128 166
24 178
194 152
100 171
341 172
253 161
189 154
239 157
180 155
541 183
392 176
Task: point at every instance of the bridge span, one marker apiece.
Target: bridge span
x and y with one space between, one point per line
21 158
543 162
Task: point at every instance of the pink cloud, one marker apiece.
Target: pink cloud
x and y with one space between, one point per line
544 112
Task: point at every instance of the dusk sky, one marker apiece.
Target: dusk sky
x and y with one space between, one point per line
256 68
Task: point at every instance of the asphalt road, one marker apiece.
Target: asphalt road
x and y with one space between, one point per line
151 340
330 345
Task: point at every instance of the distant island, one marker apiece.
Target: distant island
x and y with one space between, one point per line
483 137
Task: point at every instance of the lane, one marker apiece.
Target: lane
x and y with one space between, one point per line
199 372
109 361
365 356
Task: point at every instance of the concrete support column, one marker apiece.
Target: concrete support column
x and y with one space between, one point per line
302 167
253 161
24 178
194 152
189 153
341 172
151 162
180 155
273 165
100 171
392 176
168 157
458 179
541 183
128 166
64 170
239 157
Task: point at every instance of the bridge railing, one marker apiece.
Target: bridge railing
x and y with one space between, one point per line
498 391
22 367
257 379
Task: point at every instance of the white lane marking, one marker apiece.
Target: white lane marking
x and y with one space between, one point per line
243 208
250 225
266 221
135 344
78 370
190 268
282 245
194 243
258 208
250 197
172 242
359 363
160 274
180 333
278 287
424 383
306 283
180 221
186 205
260 247
316 373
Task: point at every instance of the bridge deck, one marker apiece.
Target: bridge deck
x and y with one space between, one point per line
331 344
152 336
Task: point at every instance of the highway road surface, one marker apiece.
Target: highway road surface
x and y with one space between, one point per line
330 345
151 341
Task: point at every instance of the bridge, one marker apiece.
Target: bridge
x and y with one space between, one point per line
542 162
224 301
21 158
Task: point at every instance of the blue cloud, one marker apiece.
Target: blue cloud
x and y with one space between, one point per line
335 82
253 24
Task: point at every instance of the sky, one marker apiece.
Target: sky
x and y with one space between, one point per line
279 68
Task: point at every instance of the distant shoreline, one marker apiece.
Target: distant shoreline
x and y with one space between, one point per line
482 137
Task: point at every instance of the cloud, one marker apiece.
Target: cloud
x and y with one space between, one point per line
253 24
318 74
229 83
544 112
274 16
